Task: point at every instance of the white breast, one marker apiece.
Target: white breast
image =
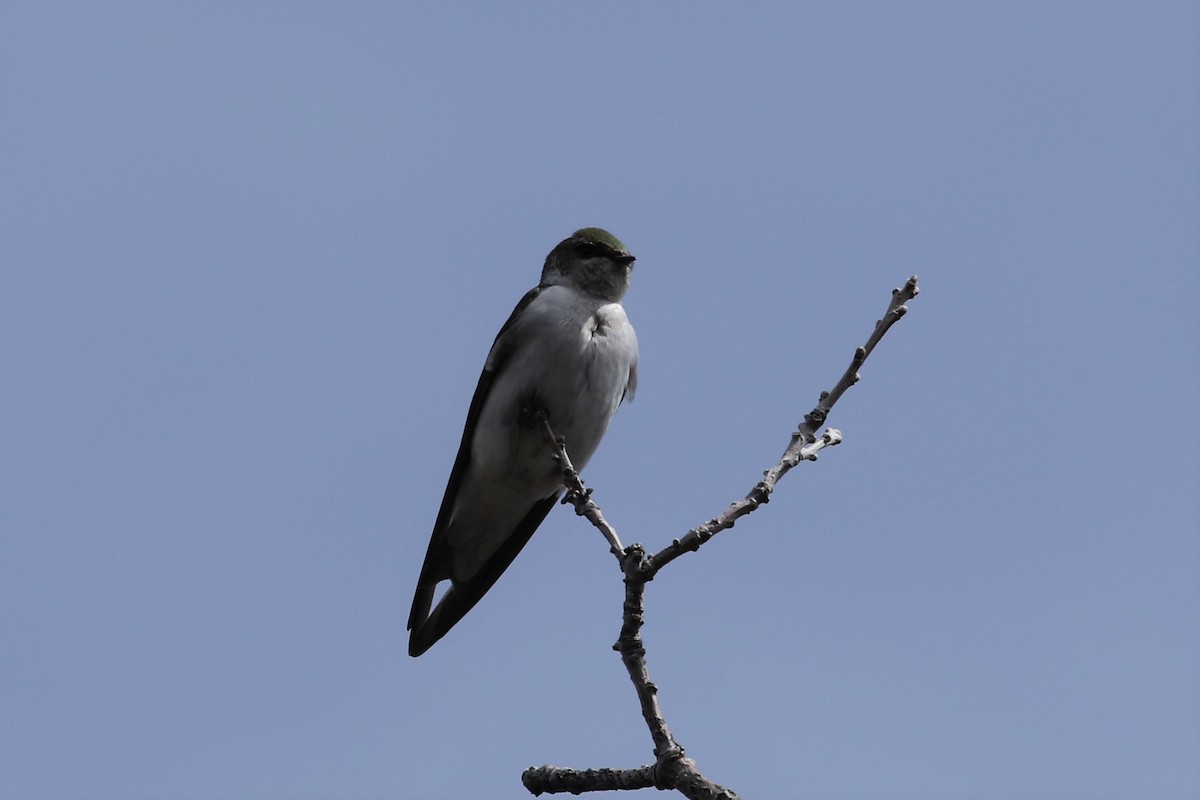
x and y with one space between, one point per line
573 356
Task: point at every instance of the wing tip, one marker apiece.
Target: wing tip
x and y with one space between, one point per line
418 643
427 628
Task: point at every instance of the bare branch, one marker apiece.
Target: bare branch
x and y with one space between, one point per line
759 495
804 444
576 781
577 494
633 651
896 309
672 769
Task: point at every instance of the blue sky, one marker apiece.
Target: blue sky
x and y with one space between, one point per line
252 258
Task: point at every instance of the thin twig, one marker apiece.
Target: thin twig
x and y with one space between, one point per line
577 494
804 444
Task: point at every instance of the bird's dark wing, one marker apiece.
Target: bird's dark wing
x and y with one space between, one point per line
461 597
427 627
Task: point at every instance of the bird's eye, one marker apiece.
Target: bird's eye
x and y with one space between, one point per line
592 250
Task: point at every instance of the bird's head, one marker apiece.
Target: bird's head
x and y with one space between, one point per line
591 260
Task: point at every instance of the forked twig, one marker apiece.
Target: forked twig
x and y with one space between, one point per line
672 769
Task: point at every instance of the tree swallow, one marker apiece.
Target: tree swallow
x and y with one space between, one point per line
567 350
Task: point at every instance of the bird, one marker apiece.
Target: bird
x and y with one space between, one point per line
567 351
